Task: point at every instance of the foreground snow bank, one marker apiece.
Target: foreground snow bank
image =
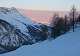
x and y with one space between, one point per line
65 45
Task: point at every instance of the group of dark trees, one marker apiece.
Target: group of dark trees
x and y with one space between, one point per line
61 25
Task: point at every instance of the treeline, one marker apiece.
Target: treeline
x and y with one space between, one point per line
61 25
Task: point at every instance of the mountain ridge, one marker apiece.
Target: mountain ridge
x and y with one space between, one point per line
17 30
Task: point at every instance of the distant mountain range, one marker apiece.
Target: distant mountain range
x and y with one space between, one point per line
42 16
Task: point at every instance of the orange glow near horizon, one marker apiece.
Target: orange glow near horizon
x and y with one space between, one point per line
39 16
44 17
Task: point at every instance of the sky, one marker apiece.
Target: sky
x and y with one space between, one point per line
41 4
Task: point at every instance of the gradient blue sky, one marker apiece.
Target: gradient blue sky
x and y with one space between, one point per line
41 4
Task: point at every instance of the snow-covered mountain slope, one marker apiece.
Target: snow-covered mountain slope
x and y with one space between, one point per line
17 30
65 45
12 16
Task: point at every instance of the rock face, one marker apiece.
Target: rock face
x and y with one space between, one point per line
9 37
17 30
